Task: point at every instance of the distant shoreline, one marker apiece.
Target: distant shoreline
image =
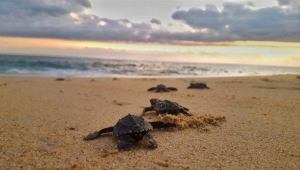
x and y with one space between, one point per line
145 77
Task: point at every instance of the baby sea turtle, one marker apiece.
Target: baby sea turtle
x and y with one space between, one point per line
198 86
132 129
162 88
164 107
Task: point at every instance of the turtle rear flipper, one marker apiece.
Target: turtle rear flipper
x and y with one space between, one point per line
159 124
172 88
125 141
161 90
164 90
186 109
150 139
97 134
184 112
162 113
146 109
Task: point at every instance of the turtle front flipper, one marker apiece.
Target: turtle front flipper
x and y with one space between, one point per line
172 88
150 139
146 109
125 141
92 136
151 89
97 134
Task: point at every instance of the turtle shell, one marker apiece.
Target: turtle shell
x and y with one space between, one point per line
131 124
161 86
198 85
166 105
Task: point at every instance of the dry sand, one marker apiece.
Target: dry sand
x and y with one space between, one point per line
43 122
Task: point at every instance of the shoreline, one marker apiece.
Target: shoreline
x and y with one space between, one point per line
143 76
44 122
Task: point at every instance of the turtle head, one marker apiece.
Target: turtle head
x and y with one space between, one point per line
154 101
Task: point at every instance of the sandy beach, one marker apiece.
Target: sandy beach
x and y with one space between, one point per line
43 123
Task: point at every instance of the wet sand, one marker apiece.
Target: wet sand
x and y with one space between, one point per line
43 122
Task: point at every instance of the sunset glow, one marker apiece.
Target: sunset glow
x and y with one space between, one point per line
231 52
171 31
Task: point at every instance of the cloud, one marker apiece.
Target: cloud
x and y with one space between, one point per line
284 2
239 21
85 3
155 21
67 19
31 8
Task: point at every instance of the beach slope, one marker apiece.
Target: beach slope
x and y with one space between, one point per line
43 122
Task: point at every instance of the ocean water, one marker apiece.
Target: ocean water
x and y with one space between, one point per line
46 66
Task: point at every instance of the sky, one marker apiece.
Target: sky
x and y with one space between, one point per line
211 31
